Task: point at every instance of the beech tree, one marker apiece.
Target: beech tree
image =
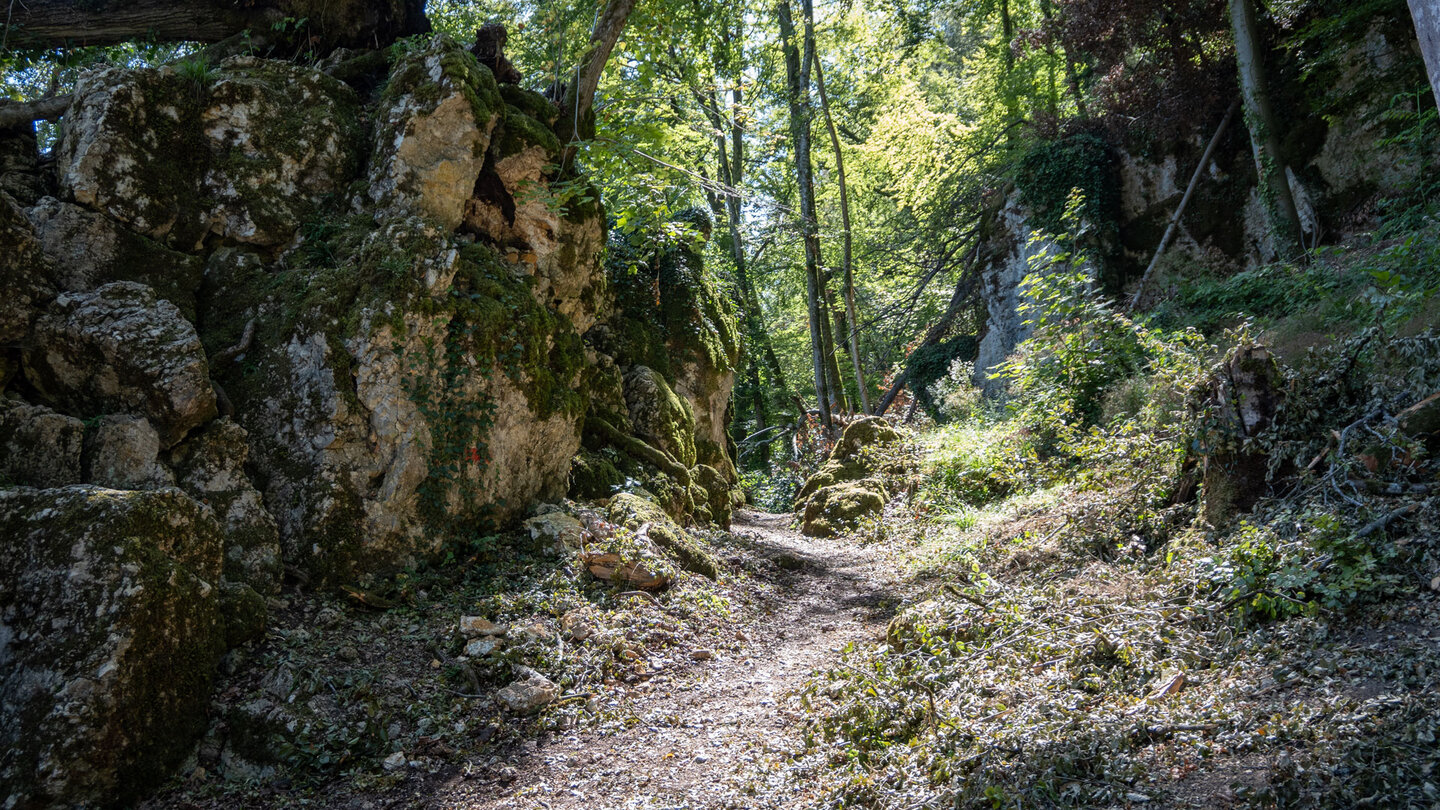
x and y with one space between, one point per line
1426 14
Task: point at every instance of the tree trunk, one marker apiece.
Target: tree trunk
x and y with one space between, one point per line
846 263
1275 194
835 324
576 122
1426 14
45 24
797 74
933 335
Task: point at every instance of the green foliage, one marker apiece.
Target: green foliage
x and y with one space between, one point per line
927 365
1299 562
1049 174
1080 346
975 465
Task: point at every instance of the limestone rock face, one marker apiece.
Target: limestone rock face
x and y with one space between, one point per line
89 250
27 273
432 133
38 447
110 631
123 452
210 467
658 415
244 152
121 350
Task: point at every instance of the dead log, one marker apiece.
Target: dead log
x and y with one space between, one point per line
328 24
15 114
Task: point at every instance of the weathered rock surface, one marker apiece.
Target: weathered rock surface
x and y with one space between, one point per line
432 133
659 416
28 275
123 452
210 467
89 250
110 631
245 152
121 350
528 693
38 447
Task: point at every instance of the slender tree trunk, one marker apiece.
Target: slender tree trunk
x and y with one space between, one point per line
797 73
833 325
1279 203
846 263
577 121
1426 14
332 24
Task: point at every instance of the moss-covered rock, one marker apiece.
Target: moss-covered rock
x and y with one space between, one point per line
634 512
593 477
210 467
837 507
38 447
851 483
119 349
112 631
658 416
716 493
246 151
28 274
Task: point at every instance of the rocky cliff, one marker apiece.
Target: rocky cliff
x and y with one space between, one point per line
260 321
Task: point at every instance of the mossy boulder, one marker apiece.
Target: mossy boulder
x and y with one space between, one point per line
210 467
412 391
634 512
119 349
852 482
244 152
112 632
593 476
832 509
123 452
715 492
658 416
670 317
432 130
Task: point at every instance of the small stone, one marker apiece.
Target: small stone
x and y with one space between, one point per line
529 693
434 663
395 761
534 631
701 655
740 636
471 626
1435 584
481 647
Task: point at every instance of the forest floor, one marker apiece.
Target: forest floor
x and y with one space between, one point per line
725 735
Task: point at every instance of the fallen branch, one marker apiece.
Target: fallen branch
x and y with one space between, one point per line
1184 201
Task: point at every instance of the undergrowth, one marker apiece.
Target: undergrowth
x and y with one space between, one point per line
1082 636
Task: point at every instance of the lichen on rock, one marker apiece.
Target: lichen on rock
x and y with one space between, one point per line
111 629
119 349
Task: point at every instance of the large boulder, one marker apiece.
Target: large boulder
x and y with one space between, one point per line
27 274
110 633
658 416
38 447
855 481
119 349
244 152
123 452
411 393
644 516
90 250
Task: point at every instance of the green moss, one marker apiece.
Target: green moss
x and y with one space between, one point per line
593 477
530 103
632 511
520 131
244 611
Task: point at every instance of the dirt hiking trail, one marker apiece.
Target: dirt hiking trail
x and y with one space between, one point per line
718 736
